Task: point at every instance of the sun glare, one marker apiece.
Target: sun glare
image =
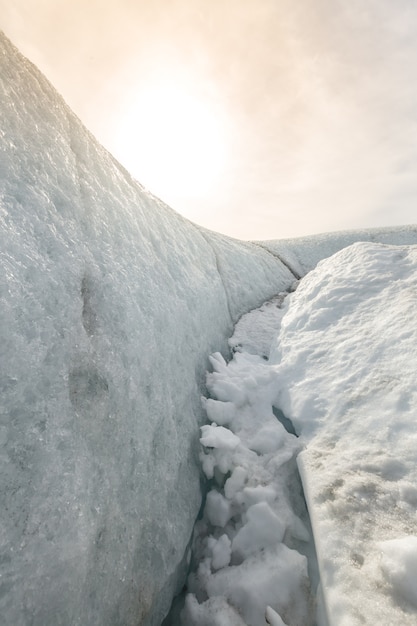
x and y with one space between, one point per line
173 140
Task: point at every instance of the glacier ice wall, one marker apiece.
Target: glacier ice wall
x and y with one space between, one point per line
109 302
303 253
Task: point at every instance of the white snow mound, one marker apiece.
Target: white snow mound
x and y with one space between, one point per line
346 362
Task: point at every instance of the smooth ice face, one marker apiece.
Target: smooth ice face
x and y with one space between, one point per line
346 364
110 303
303 254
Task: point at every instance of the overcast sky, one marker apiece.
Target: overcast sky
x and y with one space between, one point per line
256 118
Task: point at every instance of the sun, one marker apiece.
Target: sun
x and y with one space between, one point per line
173 140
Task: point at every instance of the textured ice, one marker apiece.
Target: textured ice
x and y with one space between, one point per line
109 304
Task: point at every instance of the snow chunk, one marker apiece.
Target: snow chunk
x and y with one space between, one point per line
399 565
235 483
267 578
218 509
214 612
222 413
260 493
269 438
214 436
221 550
262 529
273 618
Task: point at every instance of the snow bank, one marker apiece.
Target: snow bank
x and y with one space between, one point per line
346 361
109 304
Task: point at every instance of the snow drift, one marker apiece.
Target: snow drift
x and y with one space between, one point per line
110 303
346 376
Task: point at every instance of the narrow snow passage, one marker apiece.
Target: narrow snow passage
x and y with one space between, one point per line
249 562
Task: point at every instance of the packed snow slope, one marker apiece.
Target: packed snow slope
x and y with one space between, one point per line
345 361
110 303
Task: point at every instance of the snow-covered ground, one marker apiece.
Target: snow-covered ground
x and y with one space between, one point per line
346 362
343 369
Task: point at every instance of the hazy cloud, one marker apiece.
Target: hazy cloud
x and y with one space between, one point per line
320 97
